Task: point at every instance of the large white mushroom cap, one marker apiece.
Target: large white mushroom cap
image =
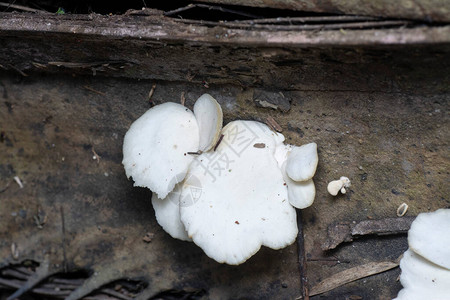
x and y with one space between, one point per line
243 202
156 145
301 194
422 279
167 212
429 237
425 265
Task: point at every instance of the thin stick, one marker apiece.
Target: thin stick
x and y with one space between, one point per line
63 231
93 90
273 124
183 99
302 257
195 153
178 10
18 70
317 19
150 94
210 7
218 142
331 26
6 187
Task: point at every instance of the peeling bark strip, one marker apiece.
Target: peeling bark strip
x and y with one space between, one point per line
350 275
436 10
346 232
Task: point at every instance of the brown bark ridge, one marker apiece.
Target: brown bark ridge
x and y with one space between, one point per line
434 10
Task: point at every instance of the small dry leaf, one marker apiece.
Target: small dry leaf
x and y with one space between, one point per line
350 275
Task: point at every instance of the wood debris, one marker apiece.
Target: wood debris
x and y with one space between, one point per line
190 76
14 251
19 182
302 258
148 237
273 124
6 187
345 232
150 94
95 155
40 218
402 209
94 90
183 98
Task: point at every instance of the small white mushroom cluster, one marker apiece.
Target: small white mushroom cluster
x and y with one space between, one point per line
228 190
338 185
426 264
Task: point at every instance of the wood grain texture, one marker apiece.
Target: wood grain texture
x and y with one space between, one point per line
435 10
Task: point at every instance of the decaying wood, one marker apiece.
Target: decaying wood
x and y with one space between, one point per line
345 232
350 275
436 10
176 50
270 121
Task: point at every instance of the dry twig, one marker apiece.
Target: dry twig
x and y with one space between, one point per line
273 124
183 99
94 90
22 8
302 257
150 93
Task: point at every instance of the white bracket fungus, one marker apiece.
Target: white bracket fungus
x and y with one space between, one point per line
429 236
231 200
245 204
301 194
155 147
338 185
426 264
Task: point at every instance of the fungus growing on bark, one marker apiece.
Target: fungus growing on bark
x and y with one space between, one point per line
243 205
229 201
426 264
155 147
